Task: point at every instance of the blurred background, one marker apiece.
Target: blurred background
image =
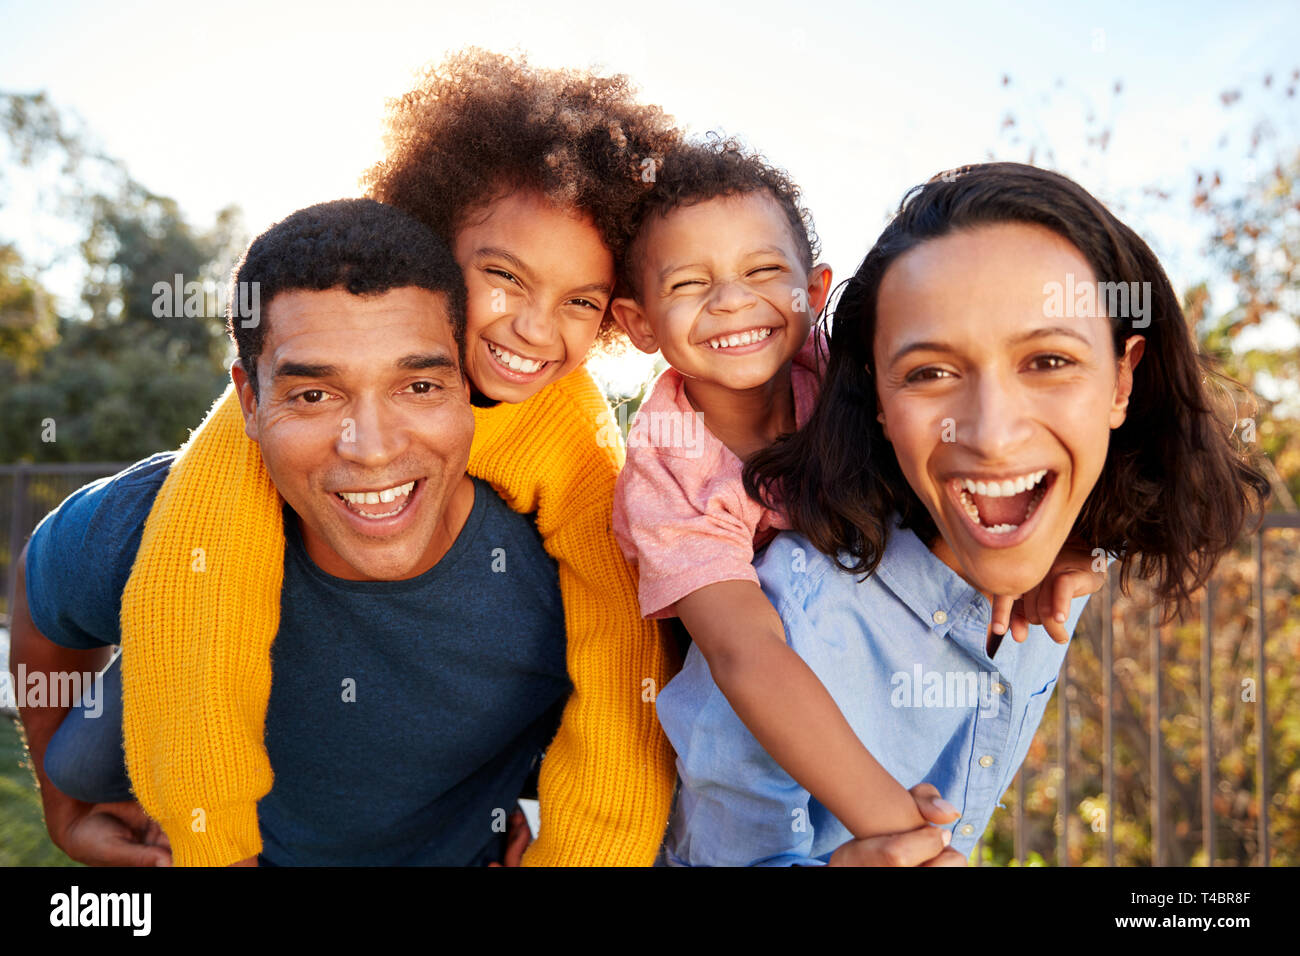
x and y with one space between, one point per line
150 139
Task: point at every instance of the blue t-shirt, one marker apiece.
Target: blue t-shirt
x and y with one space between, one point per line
405 716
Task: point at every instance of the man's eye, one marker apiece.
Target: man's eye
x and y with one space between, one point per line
313 396
425 387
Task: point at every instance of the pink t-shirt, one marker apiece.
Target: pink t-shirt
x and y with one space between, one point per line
681 515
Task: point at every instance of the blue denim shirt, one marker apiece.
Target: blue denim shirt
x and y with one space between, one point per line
904 655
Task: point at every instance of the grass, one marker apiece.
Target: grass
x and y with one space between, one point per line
23 838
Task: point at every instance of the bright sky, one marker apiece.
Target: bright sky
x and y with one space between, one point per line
275 105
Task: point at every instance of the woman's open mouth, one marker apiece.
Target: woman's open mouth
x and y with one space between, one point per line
1000 512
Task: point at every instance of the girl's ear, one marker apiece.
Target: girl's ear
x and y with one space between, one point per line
631 318
1134 345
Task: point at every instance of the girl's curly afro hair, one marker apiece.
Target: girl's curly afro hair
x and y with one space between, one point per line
480 124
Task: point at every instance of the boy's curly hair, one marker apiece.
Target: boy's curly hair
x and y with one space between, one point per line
718 166
481 124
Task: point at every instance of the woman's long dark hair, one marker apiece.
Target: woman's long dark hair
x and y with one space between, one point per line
1175 492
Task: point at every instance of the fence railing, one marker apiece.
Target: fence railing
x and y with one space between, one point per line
28 492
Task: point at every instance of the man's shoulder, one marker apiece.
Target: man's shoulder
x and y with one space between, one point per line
123 500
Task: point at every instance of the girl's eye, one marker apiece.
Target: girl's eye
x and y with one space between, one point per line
1050 363
503 274
586 304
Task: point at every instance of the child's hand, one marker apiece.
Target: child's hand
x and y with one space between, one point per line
1048 604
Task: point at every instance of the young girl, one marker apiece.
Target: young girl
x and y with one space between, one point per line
531 175
965 431
726 287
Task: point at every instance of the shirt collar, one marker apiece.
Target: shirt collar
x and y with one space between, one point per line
934 592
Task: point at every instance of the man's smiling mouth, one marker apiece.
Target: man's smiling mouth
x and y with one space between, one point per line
1003 505
368 504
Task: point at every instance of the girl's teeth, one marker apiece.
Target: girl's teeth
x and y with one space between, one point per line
516 362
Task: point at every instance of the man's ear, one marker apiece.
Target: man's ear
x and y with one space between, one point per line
247 400
631 318
1133 348
819 288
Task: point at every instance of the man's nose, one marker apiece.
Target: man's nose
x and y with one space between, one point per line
372 434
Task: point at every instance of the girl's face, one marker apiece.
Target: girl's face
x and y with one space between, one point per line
539 279
1000 415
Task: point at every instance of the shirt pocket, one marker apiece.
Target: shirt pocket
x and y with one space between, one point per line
1035 708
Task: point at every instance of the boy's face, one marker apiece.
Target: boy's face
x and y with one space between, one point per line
539 279
724 293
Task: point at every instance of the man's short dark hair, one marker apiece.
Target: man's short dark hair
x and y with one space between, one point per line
716 167
363 246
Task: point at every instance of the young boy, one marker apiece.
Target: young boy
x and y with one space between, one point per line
724 283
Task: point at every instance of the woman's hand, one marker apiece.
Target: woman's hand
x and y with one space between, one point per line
924 846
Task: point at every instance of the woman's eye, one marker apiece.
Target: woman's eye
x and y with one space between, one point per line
1050 363
928 374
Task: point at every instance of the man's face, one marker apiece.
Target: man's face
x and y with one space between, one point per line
365 426
1000 415
539 279
724 293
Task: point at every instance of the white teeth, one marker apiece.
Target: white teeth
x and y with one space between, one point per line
1004 489
748 337
516 362
375 497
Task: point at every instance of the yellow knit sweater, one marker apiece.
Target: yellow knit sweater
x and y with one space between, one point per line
202 607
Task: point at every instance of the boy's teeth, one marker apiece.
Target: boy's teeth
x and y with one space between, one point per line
513 361
1004 489
739 338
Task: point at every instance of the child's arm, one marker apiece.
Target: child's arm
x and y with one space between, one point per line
1075 572
788 710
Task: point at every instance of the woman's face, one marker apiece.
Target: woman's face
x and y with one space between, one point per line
1000 415
539 279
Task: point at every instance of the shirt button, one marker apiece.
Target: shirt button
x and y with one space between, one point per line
940 617
986 761
967 829
999 689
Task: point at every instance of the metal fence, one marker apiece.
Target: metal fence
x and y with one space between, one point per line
28 492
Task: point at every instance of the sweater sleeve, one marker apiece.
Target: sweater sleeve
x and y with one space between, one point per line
607 779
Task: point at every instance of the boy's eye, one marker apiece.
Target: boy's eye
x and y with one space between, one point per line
765 271
685 282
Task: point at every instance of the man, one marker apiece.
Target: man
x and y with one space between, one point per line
419 667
